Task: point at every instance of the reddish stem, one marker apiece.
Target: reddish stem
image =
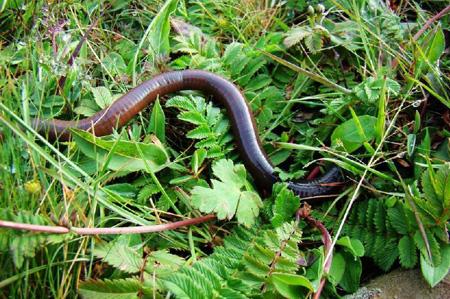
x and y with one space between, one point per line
304 213
106 230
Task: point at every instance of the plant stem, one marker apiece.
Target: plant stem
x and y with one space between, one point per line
106 230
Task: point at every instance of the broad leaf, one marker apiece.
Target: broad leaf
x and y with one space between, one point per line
120 154
433 275
349 136
226 197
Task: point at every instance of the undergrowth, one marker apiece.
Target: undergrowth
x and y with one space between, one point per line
333 82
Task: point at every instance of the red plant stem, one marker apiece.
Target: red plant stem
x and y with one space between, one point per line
304 213
62 80
105 230
425 27
431 21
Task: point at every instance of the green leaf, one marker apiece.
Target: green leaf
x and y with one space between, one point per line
163 263
248 209
351 277
226 197
285 206
410 144
398 219
433 46
107 289
314 41
433 275
102 96
287 284
354 246
348 134
50 107
121 253
197 159
114 64
159 30
370 90
337 269
3 4
158 122
120 154
407 252
296 35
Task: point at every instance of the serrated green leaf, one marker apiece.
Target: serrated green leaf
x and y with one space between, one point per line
285 206
107 289
296 35
102 96
398 219
121 254
194 117
407 252
226 197
434 274
200 132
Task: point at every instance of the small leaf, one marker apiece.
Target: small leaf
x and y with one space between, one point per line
197 159
102 96
248 209
348 134
354 246
114 64
407 252
411 144
158 122
285 206
296 35
121 253
351 278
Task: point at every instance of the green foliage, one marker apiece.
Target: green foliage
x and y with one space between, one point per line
390 229
121 155
353 133
286 203
244 266
352 68
117 288
370 90
23 245
158 122
212 127
226 197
